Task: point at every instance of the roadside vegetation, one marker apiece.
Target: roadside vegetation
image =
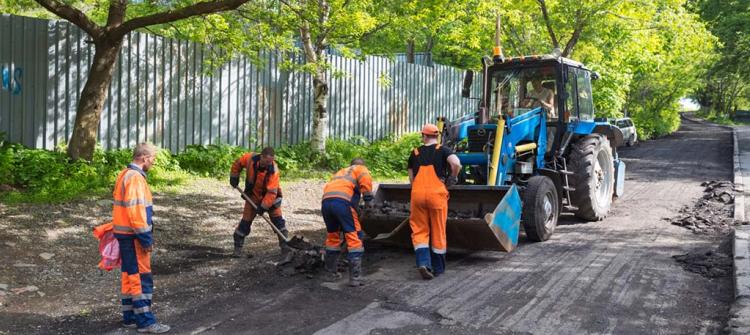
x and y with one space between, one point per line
36 175
649 53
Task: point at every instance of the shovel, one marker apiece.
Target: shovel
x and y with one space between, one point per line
385 236
296 242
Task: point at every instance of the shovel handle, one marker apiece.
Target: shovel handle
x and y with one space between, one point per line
276 230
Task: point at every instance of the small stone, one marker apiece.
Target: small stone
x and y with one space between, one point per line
24 265
3 287
30 288
40 293
10 244
46 256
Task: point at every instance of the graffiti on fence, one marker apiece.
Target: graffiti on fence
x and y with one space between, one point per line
11 76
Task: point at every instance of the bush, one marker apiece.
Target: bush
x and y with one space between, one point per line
211 160
385 158
49 176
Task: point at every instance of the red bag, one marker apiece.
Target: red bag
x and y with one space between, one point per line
109 247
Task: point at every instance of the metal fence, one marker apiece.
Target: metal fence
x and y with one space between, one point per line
162 92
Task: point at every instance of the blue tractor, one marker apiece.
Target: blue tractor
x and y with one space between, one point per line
532 150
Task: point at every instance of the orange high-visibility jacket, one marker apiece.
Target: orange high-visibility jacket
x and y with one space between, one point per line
132 209
348 183
263 182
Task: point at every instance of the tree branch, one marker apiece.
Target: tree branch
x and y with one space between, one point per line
580 23
323 18
304 33
545 14
116 14
73 15
201 8
293 9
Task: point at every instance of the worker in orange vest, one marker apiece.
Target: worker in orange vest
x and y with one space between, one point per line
262 185
432 168
341 197
132 212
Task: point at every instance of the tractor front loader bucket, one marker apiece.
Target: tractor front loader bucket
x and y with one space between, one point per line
479 217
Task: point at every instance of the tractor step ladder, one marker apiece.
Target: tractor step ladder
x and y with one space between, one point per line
568 206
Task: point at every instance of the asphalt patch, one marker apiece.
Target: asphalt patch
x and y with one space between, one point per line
707 263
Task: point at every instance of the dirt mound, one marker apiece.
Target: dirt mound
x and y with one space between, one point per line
713 213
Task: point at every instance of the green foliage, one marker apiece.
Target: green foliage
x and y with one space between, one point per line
50 176
649 53
726 87
37 175
211 160
385 158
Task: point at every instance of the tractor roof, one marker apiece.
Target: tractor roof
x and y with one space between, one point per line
535 60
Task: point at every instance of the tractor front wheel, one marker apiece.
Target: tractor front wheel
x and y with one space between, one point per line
594 177
541 208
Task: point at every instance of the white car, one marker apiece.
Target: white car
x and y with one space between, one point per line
628 129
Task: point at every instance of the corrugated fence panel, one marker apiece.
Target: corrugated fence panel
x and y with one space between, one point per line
164 91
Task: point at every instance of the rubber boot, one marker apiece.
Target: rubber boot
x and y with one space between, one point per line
355 272
242 231
331 266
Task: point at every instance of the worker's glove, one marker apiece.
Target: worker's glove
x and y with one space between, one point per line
234 181
450 181
261 210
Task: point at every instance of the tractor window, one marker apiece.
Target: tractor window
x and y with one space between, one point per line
516 92
585 100
571 113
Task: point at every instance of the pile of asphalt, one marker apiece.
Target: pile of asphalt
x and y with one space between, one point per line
710 262
706 262
307 262
713 213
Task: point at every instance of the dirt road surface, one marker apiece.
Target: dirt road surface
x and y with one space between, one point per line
613 276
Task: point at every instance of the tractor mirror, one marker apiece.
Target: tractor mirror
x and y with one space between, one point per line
468 79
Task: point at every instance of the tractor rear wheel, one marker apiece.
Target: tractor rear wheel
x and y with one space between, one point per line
594 177
541 208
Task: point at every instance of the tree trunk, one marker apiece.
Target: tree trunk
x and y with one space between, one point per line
83 140
320 112
410 57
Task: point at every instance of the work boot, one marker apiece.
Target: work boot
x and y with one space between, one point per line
237 252
156 328
331 266
425 272
355 272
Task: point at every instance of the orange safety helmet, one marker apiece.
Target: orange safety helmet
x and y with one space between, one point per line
430 130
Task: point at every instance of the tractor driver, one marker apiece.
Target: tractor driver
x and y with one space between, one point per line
542 96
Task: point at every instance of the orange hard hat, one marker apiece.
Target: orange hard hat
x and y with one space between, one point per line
430 129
